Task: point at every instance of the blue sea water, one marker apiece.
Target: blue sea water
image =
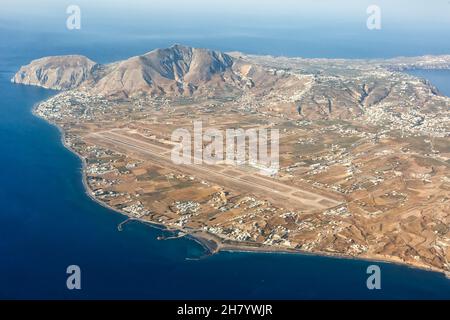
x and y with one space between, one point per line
47 222
438 78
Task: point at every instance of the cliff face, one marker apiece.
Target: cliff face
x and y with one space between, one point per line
58 72
296 87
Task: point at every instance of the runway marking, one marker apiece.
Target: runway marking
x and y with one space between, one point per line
272 190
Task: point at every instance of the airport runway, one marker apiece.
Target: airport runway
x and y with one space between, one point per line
283 195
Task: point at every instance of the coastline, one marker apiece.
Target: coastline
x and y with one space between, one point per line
214 244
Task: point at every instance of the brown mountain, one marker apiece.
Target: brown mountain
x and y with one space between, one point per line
178 70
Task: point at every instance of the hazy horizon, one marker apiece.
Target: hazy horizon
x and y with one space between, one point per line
320 28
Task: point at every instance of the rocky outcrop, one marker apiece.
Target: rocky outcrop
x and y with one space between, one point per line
57 72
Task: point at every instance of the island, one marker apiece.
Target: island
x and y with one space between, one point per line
364 149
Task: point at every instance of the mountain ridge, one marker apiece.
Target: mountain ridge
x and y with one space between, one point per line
177 70
56 72
292 87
